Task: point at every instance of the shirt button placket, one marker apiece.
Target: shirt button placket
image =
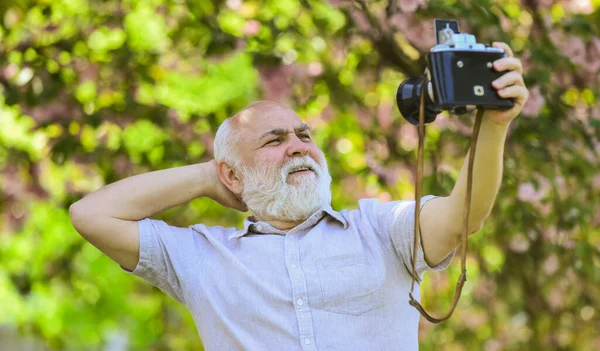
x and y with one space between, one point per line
302 308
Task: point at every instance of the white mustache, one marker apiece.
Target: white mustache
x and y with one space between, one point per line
304 161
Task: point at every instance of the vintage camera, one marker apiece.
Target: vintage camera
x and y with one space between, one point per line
459 77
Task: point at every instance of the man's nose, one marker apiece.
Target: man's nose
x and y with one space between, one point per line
297 147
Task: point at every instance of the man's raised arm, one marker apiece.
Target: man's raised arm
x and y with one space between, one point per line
442 218
107 218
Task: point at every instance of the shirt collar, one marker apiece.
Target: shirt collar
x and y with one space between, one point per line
261 227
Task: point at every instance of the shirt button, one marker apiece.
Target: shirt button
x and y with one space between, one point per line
300 302
294 265
307 341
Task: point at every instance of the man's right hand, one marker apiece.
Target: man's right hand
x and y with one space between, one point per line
222 194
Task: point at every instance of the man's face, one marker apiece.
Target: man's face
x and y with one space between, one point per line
284 174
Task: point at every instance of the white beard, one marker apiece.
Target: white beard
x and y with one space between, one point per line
269 196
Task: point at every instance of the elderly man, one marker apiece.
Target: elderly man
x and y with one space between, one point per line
299 275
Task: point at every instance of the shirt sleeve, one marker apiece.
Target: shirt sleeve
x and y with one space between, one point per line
394 222
162 252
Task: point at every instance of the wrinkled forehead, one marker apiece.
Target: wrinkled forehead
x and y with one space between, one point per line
258 119
254 122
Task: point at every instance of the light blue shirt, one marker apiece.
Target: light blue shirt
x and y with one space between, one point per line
338 281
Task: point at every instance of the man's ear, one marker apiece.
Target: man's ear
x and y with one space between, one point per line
229 177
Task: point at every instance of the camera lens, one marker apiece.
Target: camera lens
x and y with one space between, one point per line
408 98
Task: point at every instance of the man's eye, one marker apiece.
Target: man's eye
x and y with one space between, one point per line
273 141
305 136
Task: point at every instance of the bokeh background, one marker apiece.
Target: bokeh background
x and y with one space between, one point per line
92 91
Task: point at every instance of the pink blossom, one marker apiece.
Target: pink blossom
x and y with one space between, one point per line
571 47
556 297
251 28
595 112
274 81
409 6
556 37
527 193
234 4
351 187
562 79
493 345
506 23
87 70
596 182
378 149
315 69
10 71
591 157
408 136
561 185
399 20
476 319
578 6
338 52
593 56
207 139
360 20
574 49
595 222
339 3
385 197
484 289
122 165
534 104
526 61
364 117
419 32
421 35
545 208
442 121
551 265
544 3
327 114
532 234
519 243
384 114
582 112
54 111
553 235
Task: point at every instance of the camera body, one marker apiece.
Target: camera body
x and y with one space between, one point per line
460 73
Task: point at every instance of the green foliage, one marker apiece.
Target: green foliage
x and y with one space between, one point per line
218 86
95 91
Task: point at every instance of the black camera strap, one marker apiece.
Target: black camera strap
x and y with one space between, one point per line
417 235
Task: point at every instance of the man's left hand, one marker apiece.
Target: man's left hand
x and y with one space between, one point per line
509 85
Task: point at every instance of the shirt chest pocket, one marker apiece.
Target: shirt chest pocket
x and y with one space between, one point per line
350 285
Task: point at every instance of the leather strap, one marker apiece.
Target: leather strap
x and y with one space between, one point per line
417 235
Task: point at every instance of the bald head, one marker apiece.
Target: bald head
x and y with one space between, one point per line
255 113
242 127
